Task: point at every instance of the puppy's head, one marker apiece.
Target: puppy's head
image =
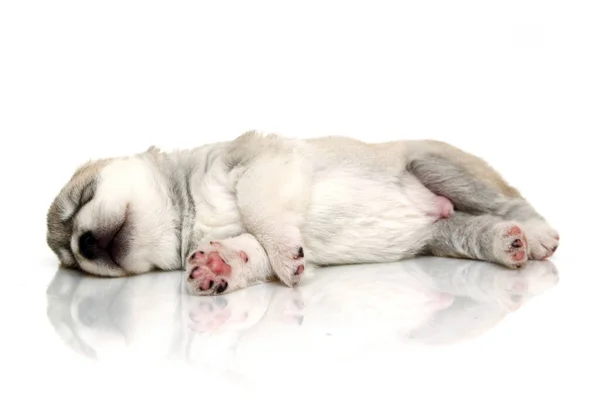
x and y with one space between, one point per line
114 218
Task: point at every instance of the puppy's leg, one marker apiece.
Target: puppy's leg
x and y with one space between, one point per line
480 237
272 195
476 188
222 266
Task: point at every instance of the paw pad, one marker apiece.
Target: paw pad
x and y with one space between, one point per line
514 231
221 287
513 246
300 253
209 272
517 243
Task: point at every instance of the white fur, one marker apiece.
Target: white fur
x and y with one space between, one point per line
293 194
370 213
130 186
217 214
288 193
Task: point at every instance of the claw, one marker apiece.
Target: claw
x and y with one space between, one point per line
221 287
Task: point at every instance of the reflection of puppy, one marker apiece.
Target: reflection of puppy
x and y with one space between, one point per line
99 318
342 309
215 323
481 299
381 305
237 213
236 312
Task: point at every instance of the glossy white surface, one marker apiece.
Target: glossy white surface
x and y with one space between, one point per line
424 328
514 82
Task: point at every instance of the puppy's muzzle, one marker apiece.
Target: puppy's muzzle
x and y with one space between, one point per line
102 245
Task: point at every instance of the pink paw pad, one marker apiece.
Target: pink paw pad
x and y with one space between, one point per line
515 230
196 273
213 261
216 264
517 246
210 271
517 255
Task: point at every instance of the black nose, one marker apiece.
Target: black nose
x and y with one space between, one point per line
88 245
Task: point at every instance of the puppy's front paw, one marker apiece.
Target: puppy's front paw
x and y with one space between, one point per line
217 267
543 239
288 264
209 272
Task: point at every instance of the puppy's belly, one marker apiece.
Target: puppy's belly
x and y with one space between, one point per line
361 220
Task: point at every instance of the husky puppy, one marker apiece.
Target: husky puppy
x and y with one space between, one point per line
263 207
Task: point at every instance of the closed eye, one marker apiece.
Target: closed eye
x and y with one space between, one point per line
86 195
76 201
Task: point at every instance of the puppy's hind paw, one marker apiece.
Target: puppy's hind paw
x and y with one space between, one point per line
511 245
543 239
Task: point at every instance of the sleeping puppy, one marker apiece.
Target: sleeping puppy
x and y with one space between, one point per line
263 207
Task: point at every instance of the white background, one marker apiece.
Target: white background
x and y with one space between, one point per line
516 82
